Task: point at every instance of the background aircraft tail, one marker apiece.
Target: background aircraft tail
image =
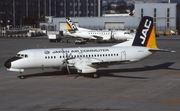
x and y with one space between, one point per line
132 13
70 25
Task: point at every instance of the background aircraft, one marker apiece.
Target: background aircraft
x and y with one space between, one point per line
96 34
89 59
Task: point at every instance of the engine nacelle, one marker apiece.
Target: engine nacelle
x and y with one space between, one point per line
84 68
84 65
87 69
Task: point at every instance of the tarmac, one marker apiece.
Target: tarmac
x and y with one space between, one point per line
152 84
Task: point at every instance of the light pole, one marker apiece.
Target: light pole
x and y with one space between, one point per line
8 24
22 21
1 22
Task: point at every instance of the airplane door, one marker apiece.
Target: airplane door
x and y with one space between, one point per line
123 55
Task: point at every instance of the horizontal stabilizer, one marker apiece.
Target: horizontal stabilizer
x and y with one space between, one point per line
161 50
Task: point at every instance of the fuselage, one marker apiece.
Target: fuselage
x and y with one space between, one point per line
104 35
53 57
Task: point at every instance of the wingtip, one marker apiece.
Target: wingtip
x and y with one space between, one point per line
166 50
173 51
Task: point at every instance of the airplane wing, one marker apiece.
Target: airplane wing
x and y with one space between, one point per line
90 65
98 37
110 62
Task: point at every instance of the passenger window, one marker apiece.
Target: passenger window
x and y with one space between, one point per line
26 55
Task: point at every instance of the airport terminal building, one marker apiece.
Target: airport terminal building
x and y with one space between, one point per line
17 12
164 14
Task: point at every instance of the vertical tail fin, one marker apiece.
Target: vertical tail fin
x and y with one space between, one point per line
70 25
132 13
145 35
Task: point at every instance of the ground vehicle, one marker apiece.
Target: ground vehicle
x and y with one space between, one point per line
54 37
80 41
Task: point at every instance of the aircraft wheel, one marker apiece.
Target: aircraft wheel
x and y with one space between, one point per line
21 77
95 75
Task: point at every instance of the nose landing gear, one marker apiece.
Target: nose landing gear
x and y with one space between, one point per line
21 76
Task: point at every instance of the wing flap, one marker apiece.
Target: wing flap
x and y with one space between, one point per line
110 62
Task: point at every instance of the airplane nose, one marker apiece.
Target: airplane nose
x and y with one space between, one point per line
7 64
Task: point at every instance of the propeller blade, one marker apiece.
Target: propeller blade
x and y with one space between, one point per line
76 76
65 61
62 66
68 70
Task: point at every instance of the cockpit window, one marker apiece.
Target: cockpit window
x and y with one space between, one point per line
26 56
22 55
126 33
18 55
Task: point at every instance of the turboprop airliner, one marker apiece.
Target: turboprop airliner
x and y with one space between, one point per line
89 59
96 34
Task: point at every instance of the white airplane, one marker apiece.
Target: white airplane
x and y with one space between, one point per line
89 59
96 34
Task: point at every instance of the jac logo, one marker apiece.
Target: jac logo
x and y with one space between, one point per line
145 31
71 24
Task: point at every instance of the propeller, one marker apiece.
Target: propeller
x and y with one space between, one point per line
65 61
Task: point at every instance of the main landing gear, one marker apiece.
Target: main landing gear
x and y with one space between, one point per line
95 75
21 77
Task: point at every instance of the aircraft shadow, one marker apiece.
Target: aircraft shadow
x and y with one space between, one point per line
108 72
